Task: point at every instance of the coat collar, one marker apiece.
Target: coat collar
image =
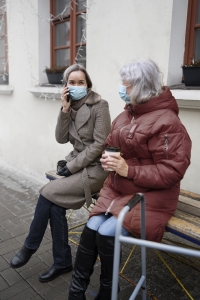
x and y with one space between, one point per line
83 114
163 101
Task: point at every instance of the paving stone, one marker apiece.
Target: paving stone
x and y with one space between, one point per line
57 281
38 286
46 257
44 248
55 291
34 269
8 256
26 295
11 247
11 276
3 264
6 224
7 215
3 284
12 291
4 234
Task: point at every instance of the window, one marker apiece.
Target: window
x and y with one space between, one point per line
68 42
192 40
3 44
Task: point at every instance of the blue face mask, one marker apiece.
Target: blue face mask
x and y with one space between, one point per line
123 94
77 92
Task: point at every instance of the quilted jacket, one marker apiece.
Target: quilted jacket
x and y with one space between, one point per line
157 149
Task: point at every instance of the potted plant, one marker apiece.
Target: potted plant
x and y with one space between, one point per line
55 74
191 73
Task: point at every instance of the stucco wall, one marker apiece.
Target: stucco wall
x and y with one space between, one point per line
191 120
119 31
27 123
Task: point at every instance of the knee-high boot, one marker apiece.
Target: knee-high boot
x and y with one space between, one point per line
83 268
105 246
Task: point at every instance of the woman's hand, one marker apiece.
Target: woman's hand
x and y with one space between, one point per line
116 162
64 97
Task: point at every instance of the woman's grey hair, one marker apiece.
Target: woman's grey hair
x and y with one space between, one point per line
77 67
145 78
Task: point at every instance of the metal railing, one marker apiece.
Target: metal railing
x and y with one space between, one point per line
141 285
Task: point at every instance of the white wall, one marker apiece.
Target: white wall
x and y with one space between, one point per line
125 30
191 120
27 123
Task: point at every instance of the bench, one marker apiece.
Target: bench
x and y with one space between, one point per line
186 221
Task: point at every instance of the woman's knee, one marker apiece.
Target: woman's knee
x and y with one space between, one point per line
95 222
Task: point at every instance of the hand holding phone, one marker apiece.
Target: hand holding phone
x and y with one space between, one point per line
65 99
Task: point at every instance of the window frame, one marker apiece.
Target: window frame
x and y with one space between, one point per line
73 31
3 13
191 26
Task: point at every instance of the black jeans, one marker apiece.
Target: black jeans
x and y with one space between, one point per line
45 211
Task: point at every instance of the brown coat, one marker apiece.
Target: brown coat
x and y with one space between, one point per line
157 149
87 135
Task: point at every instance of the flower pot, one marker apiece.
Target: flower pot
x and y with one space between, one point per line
191 76
3 79
55 78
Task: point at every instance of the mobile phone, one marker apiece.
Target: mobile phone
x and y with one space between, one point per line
67 95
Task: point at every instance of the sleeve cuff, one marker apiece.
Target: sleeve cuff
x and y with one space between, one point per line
64 113
131 172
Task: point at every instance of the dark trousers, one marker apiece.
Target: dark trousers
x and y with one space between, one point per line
47 211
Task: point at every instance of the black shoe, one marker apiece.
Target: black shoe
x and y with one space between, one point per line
53 272
22 257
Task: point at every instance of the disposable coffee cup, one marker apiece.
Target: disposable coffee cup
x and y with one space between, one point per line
112 149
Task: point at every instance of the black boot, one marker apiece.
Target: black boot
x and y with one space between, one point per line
105 246
83 268
22 257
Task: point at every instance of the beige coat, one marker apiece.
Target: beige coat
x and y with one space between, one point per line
87 135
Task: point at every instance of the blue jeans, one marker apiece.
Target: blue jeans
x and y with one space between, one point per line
105 225
47 211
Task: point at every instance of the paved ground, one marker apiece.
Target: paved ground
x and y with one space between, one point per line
17 203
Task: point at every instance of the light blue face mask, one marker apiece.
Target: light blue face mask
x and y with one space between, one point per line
77 92
123 94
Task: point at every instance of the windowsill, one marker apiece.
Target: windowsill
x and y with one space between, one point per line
6 89
186 96
51 91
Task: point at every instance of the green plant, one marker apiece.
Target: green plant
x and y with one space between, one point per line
195 63
53 70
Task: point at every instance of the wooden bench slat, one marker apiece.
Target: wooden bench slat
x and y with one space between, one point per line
186 224
189 205
52 175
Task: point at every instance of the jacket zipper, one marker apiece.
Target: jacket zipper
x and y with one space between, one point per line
109 207
166 144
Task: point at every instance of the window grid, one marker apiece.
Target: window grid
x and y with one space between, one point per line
72 18
191 28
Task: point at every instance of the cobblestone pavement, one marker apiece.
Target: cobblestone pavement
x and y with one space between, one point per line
17 203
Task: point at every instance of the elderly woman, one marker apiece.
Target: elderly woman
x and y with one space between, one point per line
155 153
84 121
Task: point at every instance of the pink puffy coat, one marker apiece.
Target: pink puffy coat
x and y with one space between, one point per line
157 149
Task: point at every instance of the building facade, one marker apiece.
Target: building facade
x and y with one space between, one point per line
103 35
